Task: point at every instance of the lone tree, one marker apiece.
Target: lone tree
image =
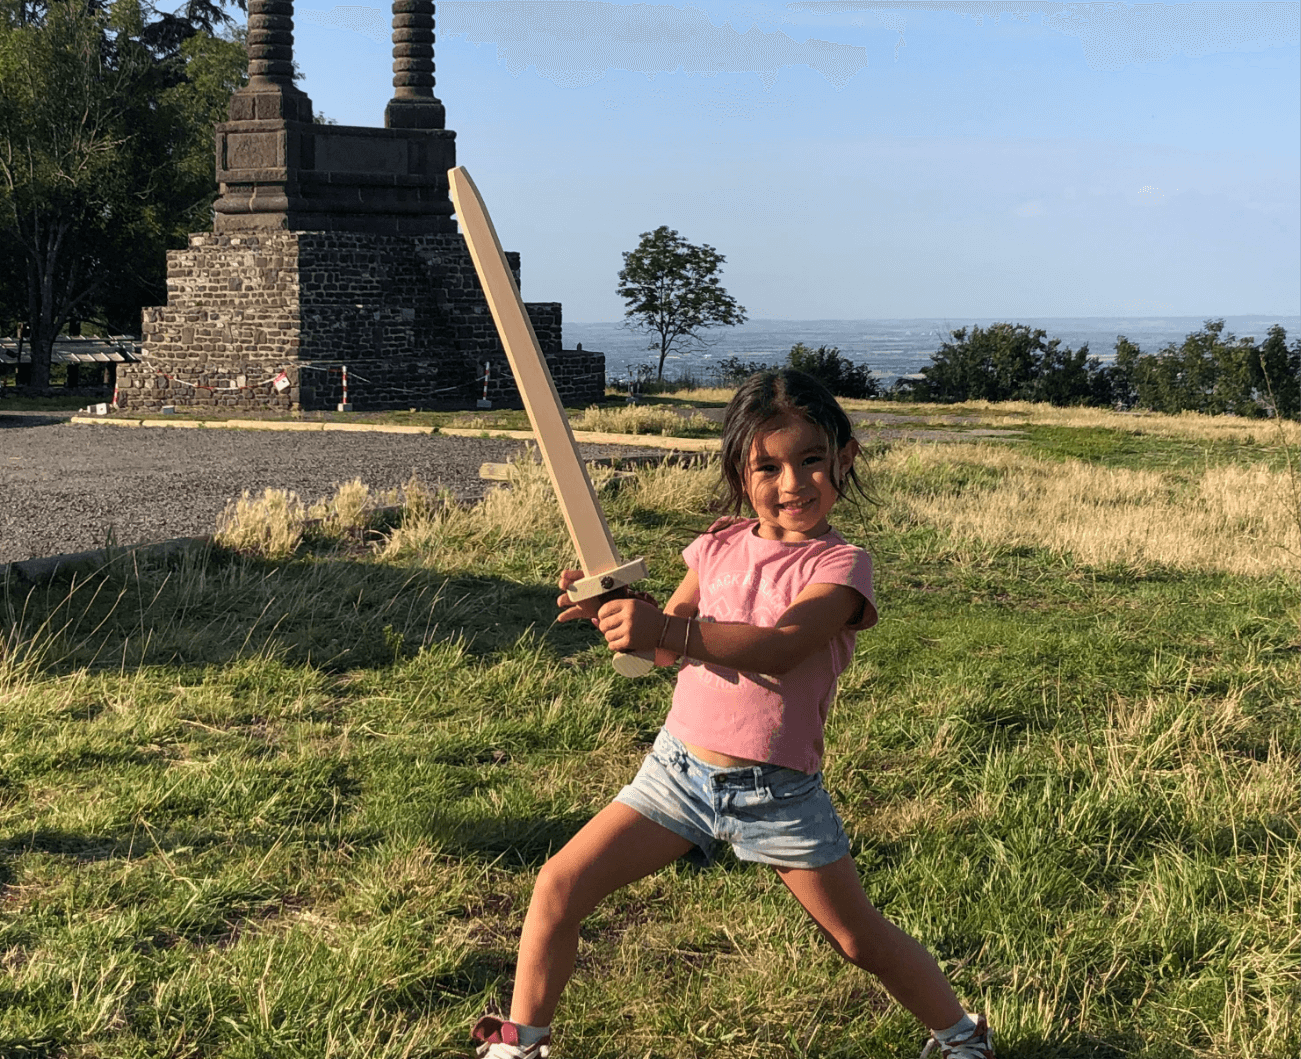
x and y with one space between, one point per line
673 292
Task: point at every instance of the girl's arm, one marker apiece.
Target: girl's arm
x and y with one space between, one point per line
684 603
818 614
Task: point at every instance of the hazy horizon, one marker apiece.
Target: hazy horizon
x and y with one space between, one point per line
1198 317
893 347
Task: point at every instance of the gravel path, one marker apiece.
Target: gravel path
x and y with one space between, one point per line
64 487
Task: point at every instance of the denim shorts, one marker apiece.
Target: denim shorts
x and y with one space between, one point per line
768 813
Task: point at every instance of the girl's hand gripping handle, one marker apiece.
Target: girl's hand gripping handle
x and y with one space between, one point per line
626 663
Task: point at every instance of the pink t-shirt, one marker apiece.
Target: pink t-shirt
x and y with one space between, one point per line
747 578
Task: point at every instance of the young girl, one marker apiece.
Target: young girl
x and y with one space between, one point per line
763 622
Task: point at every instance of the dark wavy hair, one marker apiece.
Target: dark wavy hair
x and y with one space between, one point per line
760 399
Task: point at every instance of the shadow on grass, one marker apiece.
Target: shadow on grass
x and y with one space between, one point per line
1075 1046
333 612
11 421
140 844
524 842
31 1046
85 849
1112 1043
479 973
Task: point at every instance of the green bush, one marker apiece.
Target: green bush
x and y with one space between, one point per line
838 374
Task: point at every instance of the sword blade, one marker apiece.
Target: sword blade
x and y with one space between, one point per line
588 528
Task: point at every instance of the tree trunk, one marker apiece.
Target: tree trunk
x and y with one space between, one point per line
47 307
42 345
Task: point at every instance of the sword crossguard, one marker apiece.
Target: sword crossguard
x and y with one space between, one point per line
607 581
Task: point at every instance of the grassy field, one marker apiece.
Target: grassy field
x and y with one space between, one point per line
9 402
287 799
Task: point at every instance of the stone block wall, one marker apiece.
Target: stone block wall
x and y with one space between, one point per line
406 315
230 326
579 376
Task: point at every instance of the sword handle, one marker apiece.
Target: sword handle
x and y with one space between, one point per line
614 585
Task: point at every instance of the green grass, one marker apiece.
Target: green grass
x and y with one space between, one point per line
1116 448
294 809
12 403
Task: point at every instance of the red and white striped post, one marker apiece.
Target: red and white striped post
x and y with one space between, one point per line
483 401
345 406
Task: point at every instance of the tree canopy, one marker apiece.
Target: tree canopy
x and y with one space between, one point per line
1211 371
1002 362
838 374
672 291
106 118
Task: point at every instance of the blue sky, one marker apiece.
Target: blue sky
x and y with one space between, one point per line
871 159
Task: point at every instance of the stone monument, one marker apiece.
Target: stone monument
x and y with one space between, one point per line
334 246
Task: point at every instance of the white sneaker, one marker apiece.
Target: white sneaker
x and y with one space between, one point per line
977 1044
496 1038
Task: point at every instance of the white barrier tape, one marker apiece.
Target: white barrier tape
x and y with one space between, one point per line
269 380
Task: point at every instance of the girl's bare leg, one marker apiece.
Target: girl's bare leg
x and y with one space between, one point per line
616 847
834 897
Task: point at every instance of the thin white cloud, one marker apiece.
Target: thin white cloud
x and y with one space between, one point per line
1114 35
575 42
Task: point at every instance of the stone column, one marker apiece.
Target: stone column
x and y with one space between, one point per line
270 92
413 105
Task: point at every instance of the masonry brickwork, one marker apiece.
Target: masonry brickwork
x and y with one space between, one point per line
406 314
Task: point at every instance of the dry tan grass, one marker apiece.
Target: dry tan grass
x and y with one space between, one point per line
1183 738
1235 519
641 419
270 525
668 488
347 512
437 528
439 532
706 393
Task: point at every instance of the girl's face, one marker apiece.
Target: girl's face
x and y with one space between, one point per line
789 478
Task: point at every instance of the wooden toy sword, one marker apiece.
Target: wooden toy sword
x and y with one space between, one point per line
606 573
